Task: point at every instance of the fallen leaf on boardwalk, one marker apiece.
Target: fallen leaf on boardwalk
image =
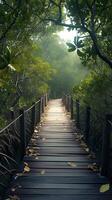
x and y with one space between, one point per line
72 164
75 134
25 163
83 145
37 136
104 188
32 140
19 174
36 158
79 137
42 172
35 131
92 155
26 168
43 139
87 149
31 150
13 198
13 189
93 167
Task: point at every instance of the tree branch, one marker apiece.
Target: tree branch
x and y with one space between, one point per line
5 3
12 23
98 51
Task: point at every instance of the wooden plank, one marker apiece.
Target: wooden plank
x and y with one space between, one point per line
65 191
74 158
44 144
66 197
55 131
75 186
57 136
51 140
61 171
61 149
62 180
58 165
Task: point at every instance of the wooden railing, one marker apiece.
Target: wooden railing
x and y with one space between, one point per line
99 140
14 138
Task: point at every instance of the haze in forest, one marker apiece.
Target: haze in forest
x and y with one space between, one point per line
68 70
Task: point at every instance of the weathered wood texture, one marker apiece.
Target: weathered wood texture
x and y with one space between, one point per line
60 169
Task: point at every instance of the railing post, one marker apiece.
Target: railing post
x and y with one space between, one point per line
106 146
46 100
12 115
77 114
67 103
87 124
71 105
42 104
39 111
63 100
33 117
22 133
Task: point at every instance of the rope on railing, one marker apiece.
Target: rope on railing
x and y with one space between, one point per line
14 138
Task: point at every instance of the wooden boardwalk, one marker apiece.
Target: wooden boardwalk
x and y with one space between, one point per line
59 165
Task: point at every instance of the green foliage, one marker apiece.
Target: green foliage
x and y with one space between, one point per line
93 21
71 47
95 91
25 85
91 90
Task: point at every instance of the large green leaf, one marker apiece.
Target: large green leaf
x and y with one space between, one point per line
80 53
104 188
80 44
71 46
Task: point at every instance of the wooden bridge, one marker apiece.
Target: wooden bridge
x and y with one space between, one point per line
58 165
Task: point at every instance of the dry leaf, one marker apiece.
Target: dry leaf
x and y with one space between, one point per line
13 189
25 163
31 150
93 167
42 172
87 149
43 139
92 155
36 158
104 188
26 169
15 197
83 145
19 174
7 199
72 164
